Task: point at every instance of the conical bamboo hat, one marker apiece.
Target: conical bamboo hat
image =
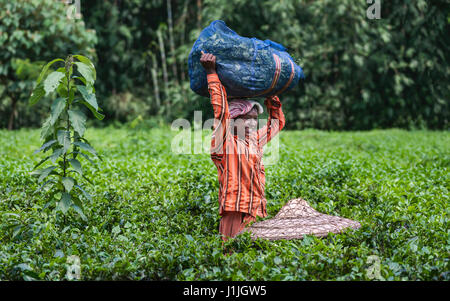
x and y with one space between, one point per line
296 219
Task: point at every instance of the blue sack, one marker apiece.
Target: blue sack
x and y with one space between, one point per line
247 67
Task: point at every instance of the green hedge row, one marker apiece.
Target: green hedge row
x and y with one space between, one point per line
154 215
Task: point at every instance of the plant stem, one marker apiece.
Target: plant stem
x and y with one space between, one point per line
69 62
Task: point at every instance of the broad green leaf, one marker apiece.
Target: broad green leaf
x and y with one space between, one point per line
48 204
89 97
36 95
97 115
85 156
43 185
45 172
68 183
79 210
40 163
64 203
78 121
89 87
36 173
45 146
88 62
87 179
45 69
78 206
56 154
57 107
72 95
51 198
64 139
62 90
86 147
76 165
52 81
51 202
16 232
81 79
86 194
47 128
84 59
86 72
76 136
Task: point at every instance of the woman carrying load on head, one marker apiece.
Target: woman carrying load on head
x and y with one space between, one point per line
237 150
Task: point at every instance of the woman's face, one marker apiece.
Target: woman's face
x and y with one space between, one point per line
244 124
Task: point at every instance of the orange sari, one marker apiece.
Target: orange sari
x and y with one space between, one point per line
241 173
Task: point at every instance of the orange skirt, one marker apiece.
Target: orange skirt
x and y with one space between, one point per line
232 222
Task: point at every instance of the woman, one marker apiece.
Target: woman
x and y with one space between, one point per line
237 149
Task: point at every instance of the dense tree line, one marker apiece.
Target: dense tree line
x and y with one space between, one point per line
361 73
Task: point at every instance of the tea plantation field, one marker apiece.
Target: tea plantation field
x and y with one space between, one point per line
154 214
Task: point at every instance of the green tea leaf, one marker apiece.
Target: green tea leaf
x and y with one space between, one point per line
56 154
16 232
78 207
52 81
49 203
79 210
81 79
86 194
41 162
97 115
36 173
78 120
68 183
88 62
57 107
72 94
45 172
87 179
47 128
36 95
64 139
43 185
86 72
64 203
62 90
45 69
89 97
85 156
86 147
76 165
45 146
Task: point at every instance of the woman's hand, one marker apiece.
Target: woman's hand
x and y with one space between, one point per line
208 62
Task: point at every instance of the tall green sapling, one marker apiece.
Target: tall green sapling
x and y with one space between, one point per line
64 129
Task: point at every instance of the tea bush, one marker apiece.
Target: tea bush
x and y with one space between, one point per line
154 214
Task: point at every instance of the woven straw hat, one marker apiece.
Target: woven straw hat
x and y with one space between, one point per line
297 219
